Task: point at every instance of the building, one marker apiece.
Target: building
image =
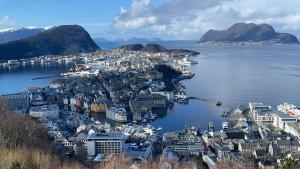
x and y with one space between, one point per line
105 143
139 105
261 113
185 143
44 112
281 121
117 114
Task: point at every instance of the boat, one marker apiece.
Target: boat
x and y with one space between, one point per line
187 74
289 109
13 62
159 128
218 103
153 116
225 125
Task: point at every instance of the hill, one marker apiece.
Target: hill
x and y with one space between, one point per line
154 48
242 32
132 47
65 39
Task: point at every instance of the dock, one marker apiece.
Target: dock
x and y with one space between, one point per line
216 102
46 77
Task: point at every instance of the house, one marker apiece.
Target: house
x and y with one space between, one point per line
288 145
259 154
274 150
235 134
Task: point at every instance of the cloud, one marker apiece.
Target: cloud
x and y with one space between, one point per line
191 18
7 21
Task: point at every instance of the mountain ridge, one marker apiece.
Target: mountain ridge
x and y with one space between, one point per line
248 32
153 48
64 39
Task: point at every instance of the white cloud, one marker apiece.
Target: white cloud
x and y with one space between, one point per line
6 21
191 18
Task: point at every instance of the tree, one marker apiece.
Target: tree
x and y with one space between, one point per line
288 163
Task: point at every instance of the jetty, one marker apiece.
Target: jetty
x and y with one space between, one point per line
214 101
46 77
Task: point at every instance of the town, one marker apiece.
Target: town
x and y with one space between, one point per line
130 89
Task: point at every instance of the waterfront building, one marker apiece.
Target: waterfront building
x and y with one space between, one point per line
281 120
139 105
158 101
117 114
261 113
105 143
57 83
99 106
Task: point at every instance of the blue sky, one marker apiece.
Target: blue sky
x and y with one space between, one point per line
168 19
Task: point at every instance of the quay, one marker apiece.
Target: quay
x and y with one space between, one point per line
216 102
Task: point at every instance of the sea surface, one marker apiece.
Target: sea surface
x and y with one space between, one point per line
233 74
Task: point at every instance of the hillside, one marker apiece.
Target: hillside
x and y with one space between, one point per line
66 39
242 32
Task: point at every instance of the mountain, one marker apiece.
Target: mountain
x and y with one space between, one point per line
143 40
191 52
132 47
65 39
242 32
153 48
111 44
16 34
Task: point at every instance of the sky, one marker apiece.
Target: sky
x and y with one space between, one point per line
166 19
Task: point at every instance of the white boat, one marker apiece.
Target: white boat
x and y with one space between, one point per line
159 128
289 109
225 125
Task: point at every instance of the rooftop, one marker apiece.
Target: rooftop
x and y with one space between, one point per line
106 136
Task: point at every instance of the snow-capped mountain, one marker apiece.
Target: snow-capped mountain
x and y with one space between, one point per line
12 34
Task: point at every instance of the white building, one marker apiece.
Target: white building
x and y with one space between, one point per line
105 143
281 120
261 113
44 112
117 114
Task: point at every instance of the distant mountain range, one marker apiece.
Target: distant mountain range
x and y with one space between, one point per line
153 48
242 32
109 44
17 34
65 39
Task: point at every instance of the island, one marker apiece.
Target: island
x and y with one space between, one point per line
248 33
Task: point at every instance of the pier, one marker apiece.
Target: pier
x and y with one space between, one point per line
46 77
216 102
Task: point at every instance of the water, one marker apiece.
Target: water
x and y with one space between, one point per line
233 74
19 78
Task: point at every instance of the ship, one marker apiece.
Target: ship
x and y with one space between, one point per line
289 109
117 113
